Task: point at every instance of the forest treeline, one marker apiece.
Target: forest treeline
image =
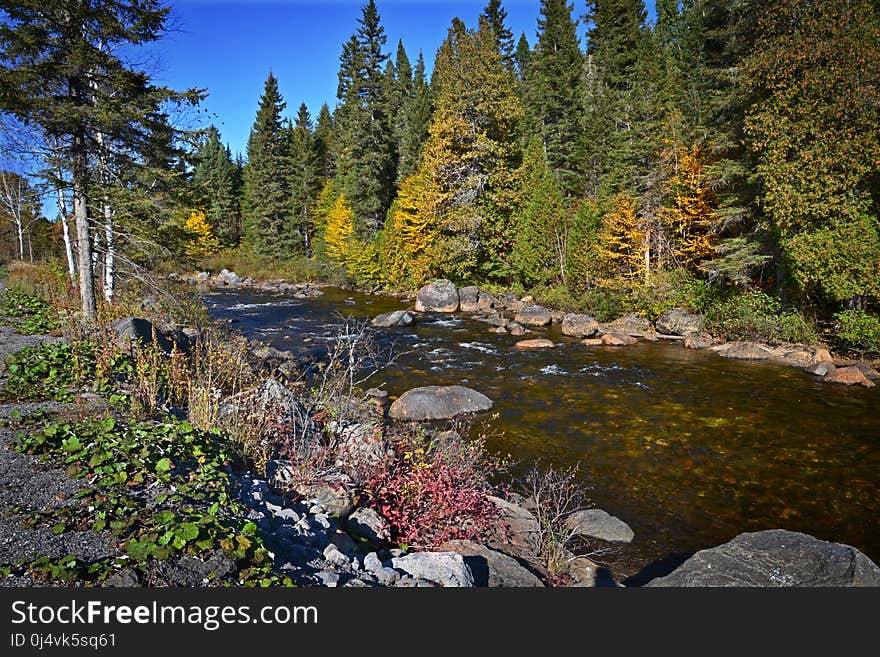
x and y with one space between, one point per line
725 156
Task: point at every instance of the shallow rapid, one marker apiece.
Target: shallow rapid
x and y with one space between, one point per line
688 448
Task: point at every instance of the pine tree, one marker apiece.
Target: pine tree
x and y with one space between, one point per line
216 187
555 94
418 117
365 165
304 181
266 192
494 15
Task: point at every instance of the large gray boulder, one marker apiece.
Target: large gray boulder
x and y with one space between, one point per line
533 315
492 568
438 403
517 532
444 568
596 523
440 296
392 319
679 322
579 326
775 558
366 523
139 332
469 299
226 277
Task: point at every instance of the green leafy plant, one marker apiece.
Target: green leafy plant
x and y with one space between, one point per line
858 331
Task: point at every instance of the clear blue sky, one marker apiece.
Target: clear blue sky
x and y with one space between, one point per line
229 46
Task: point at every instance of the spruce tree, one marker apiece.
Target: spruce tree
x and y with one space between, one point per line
555 93
325 143
522 56
365 166
304 181
266 192
216 190
494 15
418 117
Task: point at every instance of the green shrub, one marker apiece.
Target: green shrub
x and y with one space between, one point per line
859 331
32 314
754 315
673 289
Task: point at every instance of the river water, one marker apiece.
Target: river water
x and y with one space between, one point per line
686 447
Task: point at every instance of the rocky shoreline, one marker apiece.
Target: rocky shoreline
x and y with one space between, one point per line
506 313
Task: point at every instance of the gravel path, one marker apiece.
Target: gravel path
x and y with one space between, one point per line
28 486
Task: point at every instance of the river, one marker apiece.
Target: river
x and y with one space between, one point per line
688 448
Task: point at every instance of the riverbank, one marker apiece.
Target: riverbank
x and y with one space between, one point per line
101 497
509 314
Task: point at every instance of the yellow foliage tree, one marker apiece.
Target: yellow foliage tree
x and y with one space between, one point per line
621 243
201 240
337 230
408 249
690 218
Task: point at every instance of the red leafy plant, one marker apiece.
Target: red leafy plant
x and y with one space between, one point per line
435 490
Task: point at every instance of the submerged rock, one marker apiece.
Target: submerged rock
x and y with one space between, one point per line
618 340
395 318
438 403
537 343
440 296
849 376
775 558
579 326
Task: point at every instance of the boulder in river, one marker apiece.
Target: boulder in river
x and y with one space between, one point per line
579 326
441 296
392 319
469 299
226 277
631 324
485 302
849 376
537 343
596 523
744 351
516 328
678 322
775 558
438 403
533 315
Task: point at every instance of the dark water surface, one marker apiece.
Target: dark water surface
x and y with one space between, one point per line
686 447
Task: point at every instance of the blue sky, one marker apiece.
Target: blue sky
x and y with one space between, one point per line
229 46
